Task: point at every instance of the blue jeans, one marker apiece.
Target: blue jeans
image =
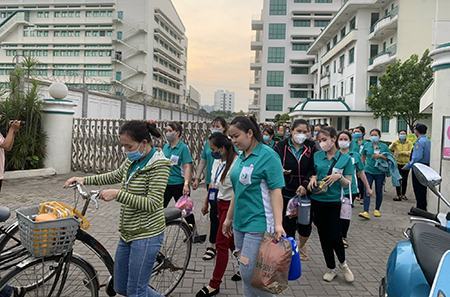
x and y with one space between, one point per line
379 183
133 266
248 246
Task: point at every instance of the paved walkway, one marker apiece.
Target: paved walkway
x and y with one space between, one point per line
370 242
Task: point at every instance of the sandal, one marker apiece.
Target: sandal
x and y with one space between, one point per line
303 255
209 254
345 242
397 199
404 197
236 277
204 292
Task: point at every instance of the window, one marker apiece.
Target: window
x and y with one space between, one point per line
351 56
343 32
43 14
302 23
300 70
385 124
335 40
328 46
373 81
119 35
275 55
275 78
342 89
299 94
392 40
334 66
300 46
321 23
324 1
339 123
334 91
341 61
352 81
301 86
120 14
277 7
118 75
401 125
274 102
277 31
302 1
353 24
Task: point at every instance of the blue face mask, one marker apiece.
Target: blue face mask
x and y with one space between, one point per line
375 139
216 155
357 135
266 138
135 155
402 137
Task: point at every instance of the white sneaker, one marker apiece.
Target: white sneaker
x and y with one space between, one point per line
348 275
330 275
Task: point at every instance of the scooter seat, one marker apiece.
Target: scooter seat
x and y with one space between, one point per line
4 214
429 244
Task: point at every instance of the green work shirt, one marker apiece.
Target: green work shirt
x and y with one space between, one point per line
136 165
297 153
368 152
178 156
271 144
322 166
358 167
207 157
253 177
355 147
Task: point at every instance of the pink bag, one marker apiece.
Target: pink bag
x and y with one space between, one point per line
185 204
292 207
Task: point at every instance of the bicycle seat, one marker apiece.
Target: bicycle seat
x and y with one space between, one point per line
172 213
4 213
429 244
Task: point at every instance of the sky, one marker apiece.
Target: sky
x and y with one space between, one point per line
219 34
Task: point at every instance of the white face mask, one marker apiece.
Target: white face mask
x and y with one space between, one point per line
344 144
216 130
300 138
326 145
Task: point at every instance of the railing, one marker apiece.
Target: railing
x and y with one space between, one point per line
96 147
390 15
392 50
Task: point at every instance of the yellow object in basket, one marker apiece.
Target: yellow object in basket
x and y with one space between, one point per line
62 211
44 238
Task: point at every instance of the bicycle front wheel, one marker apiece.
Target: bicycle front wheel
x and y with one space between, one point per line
51 276
173 258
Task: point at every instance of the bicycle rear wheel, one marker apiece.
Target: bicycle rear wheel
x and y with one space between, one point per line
51 276
173 258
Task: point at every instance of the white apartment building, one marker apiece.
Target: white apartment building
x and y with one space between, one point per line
132 48
281 64
354 50
224 100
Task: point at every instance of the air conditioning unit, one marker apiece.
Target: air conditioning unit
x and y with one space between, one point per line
340 69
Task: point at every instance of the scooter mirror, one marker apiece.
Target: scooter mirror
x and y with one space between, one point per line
426 175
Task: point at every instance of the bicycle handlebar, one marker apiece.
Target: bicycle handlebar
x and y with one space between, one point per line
92 196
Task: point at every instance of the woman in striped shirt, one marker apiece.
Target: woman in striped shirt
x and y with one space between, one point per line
143 178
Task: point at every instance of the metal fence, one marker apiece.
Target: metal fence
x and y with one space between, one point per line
96 147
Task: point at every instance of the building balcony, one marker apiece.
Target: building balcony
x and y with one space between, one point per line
256 45
256 65
385 26
341 45
256 85
257 23
383 59
253 107
325 79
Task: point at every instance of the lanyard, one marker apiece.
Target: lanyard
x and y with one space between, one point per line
218 172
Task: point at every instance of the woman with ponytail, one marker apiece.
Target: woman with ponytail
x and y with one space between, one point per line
143 178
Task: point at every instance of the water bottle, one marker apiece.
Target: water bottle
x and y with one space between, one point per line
304 211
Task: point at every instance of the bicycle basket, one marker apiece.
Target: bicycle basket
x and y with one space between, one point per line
41 239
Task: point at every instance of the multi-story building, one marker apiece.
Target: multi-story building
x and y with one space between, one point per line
193 99
224 100
354 50
281 65
133 49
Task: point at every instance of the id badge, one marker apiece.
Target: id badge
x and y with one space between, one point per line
212 194
246 175
377 151
338 171
174 159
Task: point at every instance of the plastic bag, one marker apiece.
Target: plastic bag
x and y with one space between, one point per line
295 270
272 265
346 209
292 207
186 205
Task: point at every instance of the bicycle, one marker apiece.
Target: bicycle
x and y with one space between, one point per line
167 271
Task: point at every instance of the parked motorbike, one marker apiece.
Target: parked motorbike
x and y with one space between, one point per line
412 266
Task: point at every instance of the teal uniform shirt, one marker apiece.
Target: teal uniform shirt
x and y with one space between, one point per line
355 147
178 156
271 144
207 157
358 167
322 166
253 177
368 152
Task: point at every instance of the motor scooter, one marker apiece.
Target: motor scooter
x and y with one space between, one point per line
413 264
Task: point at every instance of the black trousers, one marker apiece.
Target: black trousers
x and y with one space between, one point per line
290 225
176 192
361 188
401 191
326 216
213 219
420 192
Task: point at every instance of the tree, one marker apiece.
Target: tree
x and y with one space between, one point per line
28 151
400 89
282 118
